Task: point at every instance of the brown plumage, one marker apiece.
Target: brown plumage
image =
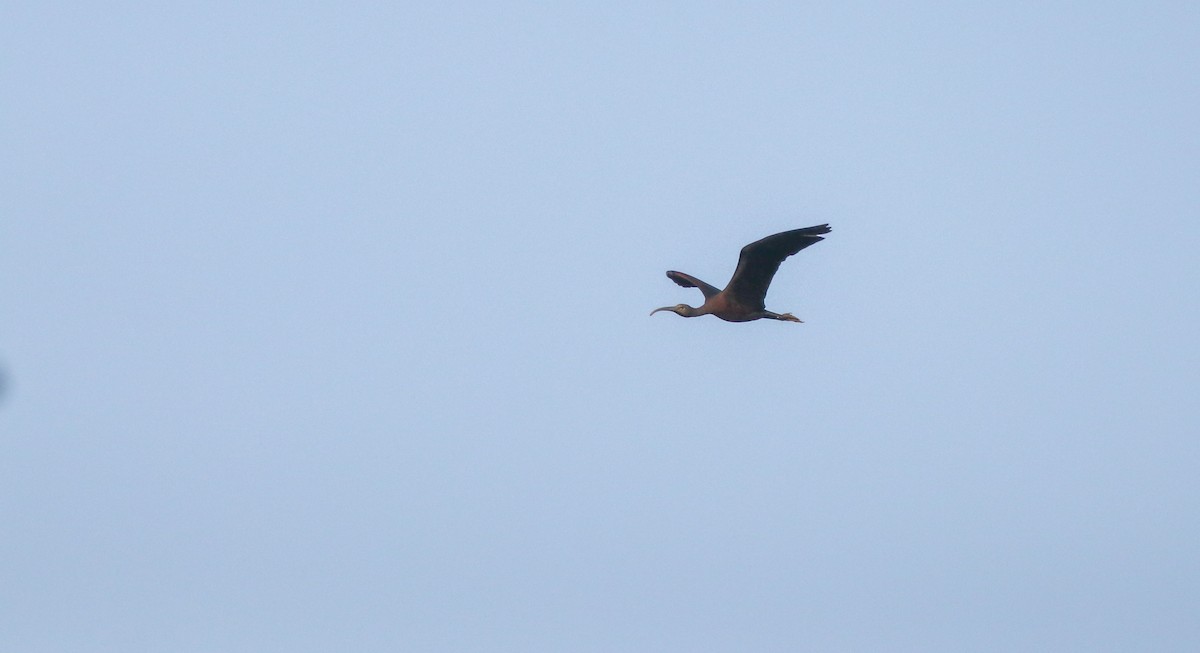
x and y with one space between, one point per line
742 300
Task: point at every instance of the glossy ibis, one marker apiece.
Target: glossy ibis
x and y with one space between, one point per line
742 299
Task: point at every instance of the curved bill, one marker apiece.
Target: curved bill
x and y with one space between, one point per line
664 308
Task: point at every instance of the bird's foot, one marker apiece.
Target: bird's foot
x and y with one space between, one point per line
788 317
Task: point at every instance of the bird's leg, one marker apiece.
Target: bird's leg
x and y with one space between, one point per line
783 317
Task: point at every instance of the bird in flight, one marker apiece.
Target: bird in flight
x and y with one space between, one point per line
742 300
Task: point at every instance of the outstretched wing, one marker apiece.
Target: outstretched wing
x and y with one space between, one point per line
760 260
688 281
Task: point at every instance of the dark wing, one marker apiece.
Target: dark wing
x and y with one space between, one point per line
760 260
688 281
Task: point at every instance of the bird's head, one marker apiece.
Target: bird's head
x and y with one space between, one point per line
678 309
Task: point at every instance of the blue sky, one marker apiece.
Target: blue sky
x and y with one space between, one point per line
325 327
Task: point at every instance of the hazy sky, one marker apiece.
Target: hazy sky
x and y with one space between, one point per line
325 327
